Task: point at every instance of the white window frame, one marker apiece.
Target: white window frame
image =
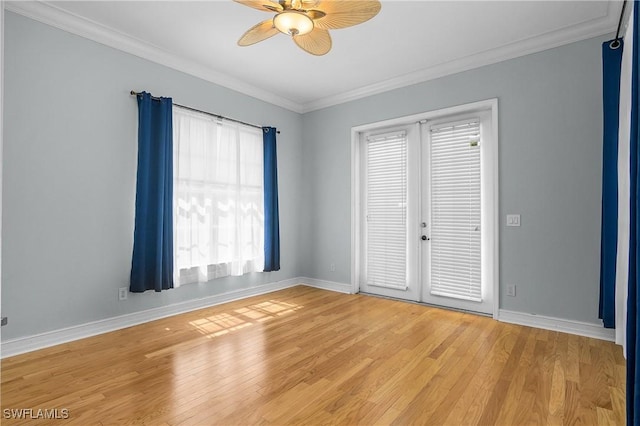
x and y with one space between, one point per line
490 188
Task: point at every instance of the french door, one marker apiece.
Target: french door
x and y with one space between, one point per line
390 245
452 213
427 204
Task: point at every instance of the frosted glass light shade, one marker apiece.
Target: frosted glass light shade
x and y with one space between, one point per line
293 23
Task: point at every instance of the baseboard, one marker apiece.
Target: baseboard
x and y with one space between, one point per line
580 328
327 285
51 338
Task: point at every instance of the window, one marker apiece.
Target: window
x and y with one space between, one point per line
218 197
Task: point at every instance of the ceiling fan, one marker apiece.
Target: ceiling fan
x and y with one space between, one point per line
308 21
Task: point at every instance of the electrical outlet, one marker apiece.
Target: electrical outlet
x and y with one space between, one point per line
122 293
511 290
513 220
332 267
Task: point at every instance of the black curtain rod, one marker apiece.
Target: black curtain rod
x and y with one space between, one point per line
134 93
615 44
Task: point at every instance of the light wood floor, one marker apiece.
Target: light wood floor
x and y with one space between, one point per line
308 356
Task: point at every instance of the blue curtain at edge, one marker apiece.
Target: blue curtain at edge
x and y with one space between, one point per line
271 215
152 263
633 357
611 65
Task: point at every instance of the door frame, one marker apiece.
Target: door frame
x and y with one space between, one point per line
490 167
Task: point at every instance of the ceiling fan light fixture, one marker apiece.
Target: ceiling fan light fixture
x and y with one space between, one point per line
308 21
293 23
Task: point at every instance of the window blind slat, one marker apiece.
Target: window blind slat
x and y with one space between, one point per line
455 211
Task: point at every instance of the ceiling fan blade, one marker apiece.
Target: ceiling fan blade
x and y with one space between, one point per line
259 32
345 13
317 42
309 4
302 4
264 5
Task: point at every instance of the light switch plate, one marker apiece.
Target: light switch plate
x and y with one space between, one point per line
513 220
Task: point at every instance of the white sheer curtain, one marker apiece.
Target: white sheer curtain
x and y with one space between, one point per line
624 196
218 197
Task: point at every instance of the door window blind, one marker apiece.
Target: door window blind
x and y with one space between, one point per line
386 210
455 210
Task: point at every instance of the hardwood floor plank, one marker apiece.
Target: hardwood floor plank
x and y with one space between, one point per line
460 396
491 408
508 411
606 417
573 359
308 356
545 363
618 404
483 377
449 369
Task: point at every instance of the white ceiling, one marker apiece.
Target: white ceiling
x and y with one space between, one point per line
407 42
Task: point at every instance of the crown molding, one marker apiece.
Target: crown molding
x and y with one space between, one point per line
582 31
50 14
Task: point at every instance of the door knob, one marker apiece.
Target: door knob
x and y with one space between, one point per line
424 238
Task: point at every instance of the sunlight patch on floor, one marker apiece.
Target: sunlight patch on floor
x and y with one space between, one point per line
226 322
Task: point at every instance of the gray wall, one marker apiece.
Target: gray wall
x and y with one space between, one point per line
70 158
550 169
69 177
